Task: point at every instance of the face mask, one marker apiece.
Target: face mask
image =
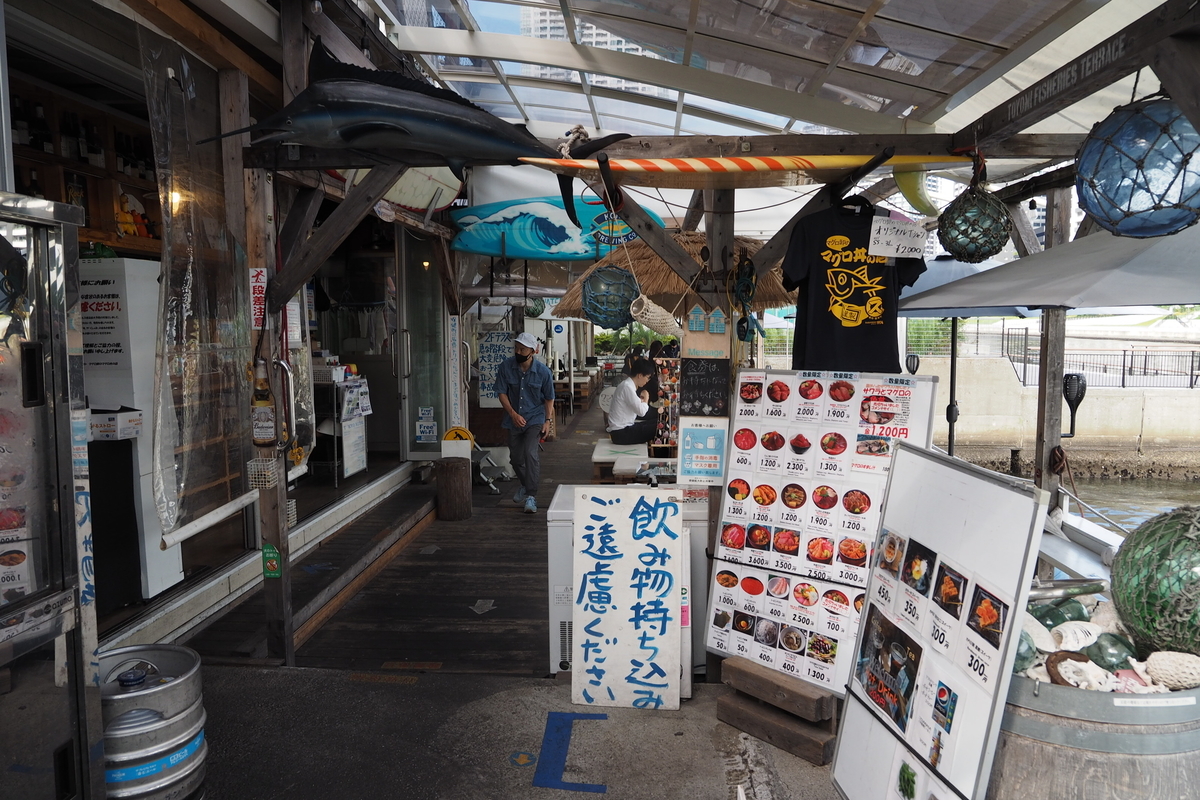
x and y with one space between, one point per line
524 358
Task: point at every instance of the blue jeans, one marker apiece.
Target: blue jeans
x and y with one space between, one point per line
523 453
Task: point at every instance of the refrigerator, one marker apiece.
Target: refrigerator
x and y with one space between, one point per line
51 742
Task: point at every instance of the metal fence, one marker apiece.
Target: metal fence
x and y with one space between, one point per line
1133 366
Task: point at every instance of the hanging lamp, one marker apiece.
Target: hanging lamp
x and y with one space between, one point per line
975 226
1134 172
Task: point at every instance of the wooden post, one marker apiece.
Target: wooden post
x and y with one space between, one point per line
294 41
720 233
235 113
272 503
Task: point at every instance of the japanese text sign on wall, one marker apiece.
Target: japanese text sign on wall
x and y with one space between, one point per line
494 347
258 297
626 621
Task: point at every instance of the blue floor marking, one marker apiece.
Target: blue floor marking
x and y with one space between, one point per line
553 758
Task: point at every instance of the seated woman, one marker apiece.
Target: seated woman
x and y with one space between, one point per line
630 418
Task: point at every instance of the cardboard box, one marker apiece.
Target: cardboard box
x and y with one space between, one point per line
123 423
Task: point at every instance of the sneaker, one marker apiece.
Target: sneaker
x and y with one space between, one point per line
530 505
519 495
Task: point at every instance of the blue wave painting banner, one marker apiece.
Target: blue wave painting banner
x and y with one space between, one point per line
538 228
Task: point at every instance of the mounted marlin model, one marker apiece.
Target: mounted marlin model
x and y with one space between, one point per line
351 108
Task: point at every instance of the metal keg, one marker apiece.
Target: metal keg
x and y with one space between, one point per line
154 747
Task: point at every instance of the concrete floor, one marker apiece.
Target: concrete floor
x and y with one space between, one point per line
312 734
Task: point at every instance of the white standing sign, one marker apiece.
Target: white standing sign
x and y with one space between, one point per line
950 574
454 398
494 347
629 561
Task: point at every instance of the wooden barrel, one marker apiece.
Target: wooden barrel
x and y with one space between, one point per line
1058 743
454 488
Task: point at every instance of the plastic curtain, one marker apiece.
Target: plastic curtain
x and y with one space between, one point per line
200 420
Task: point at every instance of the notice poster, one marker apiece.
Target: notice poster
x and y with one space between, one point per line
104 316
795 506
628 563
704 387
702 451
955 550
494 347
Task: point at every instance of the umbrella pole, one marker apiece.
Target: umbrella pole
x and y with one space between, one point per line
952 406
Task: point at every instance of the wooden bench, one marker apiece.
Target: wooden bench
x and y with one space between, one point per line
605 456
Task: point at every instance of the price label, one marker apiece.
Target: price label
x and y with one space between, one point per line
748 605
741 646
761 514
775 412
776 611
855 525
743 460
977 663
851 576
911 606
736 510
835 625
938 634
769 463
725 599
766 655
883 593
837 413
820 520
820 573
829 467
795 466
758 559
818 672
784 563
790 516
746 411
788 665
807 413
910 611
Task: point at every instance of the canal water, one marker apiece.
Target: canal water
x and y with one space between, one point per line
1133 502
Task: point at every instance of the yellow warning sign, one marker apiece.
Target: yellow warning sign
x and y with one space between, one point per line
459 434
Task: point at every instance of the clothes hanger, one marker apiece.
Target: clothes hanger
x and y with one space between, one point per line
858 204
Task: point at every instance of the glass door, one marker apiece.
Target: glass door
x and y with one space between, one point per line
422 350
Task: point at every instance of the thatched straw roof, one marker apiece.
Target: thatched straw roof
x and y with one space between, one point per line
664 286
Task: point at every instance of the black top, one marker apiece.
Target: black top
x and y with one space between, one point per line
846 299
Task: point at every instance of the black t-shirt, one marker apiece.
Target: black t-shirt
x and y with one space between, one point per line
846 299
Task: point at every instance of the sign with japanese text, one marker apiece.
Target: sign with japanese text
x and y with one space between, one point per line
897 238
806 470
950 573
454 387
628 563
702 451
494 347
105 318
258 297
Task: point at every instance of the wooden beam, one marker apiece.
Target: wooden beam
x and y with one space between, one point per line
719 233
358 203
1023 236
180 22
1101 66
332 36
298 224
695 211
448 274
280 157
1058 217
1033 145
1176 62
234 92
1088 226
1060 178
294 41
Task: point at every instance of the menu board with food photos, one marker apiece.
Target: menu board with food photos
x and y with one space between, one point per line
808 460
956 549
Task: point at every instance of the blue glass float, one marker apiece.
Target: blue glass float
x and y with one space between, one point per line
607 293
1134 172
975 226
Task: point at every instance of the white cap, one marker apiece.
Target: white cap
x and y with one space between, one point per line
526 339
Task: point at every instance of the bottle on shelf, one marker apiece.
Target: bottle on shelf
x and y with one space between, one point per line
20 122
68 141
119 150
262 412
35 188
82 140
95 150
77 194
40 137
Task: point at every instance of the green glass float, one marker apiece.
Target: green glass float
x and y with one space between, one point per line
975 226
1026 653
536 307
1156 582
1110 651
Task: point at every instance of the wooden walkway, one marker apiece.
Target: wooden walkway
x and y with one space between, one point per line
420 610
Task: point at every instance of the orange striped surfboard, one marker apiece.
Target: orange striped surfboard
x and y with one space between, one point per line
736 171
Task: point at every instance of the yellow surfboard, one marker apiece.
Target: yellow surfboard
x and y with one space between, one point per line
740 172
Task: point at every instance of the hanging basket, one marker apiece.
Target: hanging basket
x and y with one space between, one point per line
975 226
607 294
1135 174
654 317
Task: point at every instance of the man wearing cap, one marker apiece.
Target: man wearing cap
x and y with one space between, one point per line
526 389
